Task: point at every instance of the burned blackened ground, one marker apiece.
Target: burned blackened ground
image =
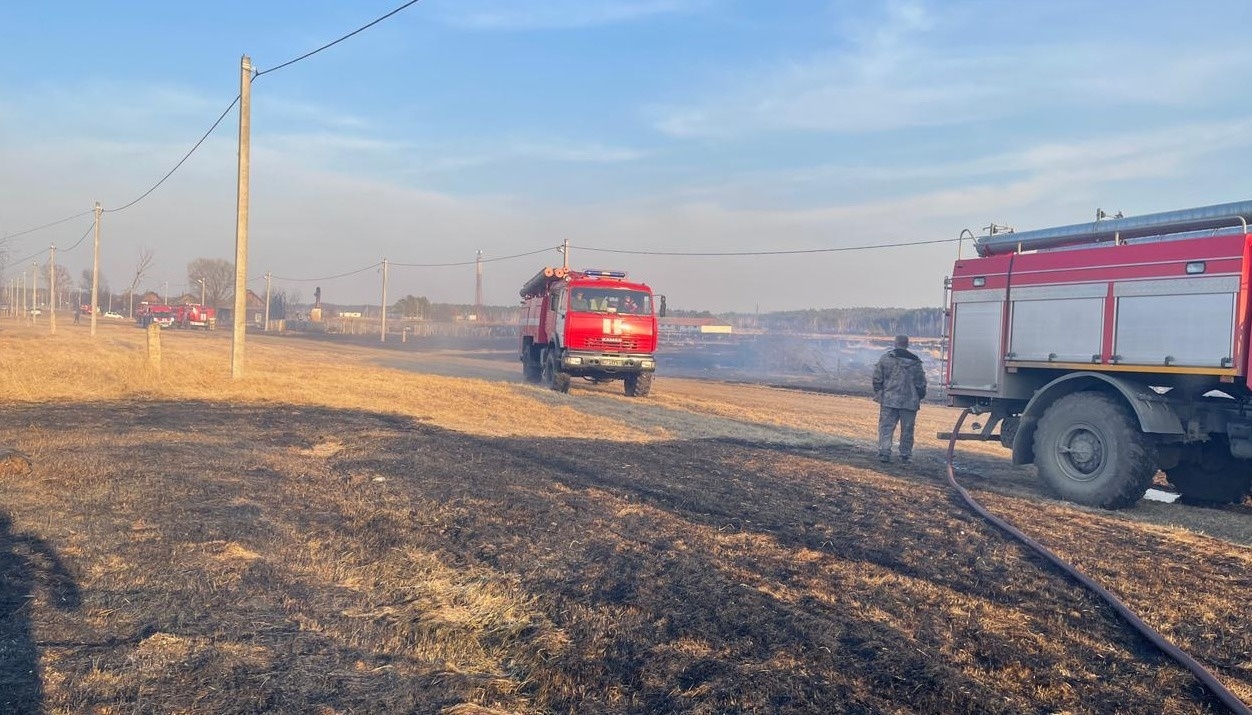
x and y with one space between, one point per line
284 559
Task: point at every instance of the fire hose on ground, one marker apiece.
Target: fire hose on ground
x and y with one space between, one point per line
1181 657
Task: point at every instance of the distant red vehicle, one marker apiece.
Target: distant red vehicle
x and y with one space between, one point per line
147 314
195 316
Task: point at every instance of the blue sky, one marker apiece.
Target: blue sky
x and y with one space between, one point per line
656 125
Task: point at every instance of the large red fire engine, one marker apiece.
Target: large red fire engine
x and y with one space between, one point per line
592 324
1108 350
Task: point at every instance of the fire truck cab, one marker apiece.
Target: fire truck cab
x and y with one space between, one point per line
1107 351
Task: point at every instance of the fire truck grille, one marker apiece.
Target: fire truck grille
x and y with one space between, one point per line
624 344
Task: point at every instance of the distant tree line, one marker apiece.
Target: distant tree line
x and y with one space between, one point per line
917 322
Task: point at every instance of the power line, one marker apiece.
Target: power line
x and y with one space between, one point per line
341 39
181 161
328 278
236 101
79 242
470 263
729 254
47 225
41 251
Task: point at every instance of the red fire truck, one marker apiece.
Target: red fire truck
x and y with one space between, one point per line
592 324
147 314
1105 351
195 316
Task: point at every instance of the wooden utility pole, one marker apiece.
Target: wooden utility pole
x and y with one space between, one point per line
95 272
382 337
267 301
52 288
241 220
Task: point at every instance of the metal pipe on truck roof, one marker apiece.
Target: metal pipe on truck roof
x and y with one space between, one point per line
1158 224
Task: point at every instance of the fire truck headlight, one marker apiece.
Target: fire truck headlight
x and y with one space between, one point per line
647 364
574 360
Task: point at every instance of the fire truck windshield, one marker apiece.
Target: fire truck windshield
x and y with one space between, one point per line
600 300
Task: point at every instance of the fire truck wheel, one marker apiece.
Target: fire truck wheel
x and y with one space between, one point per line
552 375
638 385
1089 449
1208 473
532 369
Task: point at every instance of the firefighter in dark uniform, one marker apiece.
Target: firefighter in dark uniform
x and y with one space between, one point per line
899 388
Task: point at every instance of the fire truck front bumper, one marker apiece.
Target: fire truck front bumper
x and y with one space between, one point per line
589 363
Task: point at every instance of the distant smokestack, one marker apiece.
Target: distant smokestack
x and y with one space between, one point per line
478 287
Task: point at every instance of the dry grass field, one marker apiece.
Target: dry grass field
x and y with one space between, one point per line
342 531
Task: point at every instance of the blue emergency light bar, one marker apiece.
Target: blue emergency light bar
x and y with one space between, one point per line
603 273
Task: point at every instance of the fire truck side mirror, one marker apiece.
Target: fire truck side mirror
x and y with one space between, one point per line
660 306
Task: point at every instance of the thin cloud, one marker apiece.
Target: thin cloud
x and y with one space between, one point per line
505 15
916 68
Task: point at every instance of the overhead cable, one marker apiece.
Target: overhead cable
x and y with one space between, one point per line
328 278
470 263
180 161
341 39
729 254
47 225
41 251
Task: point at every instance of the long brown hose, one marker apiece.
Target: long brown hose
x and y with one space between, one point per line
1201 673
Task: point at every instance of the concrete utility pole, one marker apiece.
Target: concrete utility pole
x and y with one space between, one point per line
201 282
241 219
95 272
34 289
267 301
52 288
382 337
478 285
565 254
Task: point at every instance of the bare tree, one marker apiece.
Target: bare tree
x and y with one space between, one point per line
218 276
141 268
64 283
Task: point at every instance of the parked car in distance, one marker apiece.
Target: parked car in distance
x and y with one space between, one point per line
113 314
36 311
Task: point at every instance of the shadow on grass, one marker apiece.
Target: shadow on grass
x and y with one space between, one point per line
283 558
29 568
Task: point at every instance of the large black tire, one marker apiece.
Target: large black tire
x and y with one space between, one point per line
532 368
638 384
1089 450
1208 473
552 375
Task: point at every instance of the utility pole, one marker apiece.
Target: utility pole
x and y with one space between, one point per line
34 289
382 337
241 219
52 288
478 285
201 282
267 301
95 273
565 254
